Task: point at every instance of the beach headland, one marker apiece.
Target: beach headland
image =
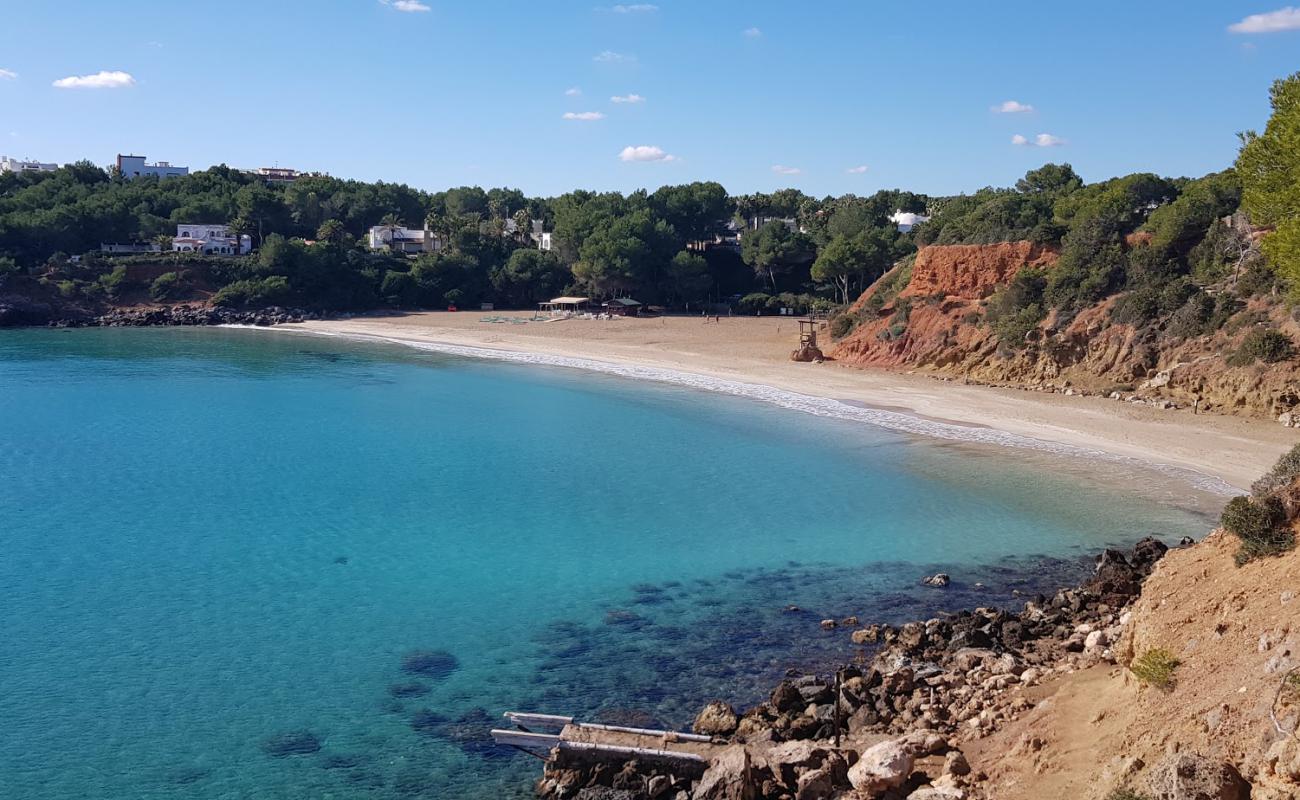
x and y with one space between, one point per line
754 351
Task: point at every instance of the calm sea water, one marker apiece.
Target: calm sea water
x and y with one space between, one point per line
213 537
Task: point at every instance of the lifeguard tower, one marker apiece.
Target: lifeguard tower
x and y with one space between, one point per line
808 349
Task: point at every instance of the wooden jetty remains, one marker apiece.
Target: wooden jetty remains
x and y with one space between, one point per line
554 738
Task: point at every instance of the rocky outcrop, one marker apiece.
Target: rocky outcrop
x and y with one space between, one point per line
187 315
901 717
16 311
938 324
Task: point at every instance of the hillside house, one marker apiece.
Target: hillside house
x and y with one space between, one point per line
210 239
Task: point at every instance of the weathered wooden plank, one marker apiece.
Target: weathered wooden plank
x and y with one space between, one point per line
525 739
656 734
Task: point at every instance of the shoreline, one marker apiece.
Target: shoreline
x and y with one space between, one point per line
1219 454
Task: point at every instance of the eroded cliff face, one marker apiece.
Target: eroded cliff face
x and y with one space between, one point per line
973 271
937 323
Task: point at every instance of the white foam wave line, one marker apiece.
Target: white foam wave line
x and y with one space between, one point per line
794 401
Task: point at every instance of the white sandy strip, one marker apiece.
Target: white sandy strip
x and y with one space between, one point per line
819 406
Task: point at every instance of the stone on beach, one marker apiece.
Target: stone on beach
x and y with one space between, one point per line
716 719
882 767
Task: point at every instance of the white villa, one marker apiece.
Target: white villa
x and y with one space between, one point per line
133 167
906 220
8 164
404 240
210 239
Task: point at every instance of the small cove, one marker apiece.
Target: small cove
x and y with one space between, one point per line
217 536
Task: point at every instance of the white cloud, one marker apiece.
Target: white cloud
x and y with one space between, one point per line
858 170
409 6
752 33
8 75
1012 107
1041 140
100 80
627 98
780 170
635 8
584 116
611 57
572 92
1284 19
645 152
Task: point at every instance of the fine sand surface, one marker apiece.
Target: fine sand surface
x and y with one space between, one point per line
756 351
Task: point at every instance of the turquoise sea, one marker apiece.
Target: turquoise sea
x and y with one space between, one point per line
211 538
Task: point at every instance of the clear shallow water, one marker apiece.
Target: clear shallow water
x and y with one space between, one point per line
211 537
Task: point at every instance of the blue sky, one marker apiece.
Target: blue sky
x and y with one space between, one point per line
756 95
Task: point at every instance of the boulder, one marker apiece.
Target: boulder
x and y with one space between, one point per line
868 635
1188 776
882 767
716 719
785 697
955 763
939 579
730 776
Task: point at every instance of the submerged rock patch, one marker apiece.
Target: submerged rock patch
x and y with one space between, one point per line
436 664
292 743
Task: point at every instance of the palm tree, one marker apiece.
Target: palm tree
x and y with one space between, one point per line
391 223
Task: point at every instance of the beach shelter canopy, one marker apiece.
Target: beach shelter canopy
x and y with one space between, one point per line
568 301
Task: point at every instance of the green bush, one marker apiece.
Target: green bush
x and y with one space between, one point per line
1260 524
268 291
1263 344
114 283
1258 279
1017 308
1283 472
843 324
166 286
1155 668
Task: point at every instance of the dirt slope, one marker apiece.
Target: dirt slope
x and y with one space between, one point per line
1236 632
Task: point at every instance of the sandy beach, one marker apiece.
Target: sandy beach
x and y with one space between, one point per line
756 351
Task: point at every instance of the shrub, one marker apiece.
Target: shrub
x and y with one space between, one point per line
166 286
268 291
1263 344
1283 472
755 302
843 324
1155 668
1256 280
1260 524
114 282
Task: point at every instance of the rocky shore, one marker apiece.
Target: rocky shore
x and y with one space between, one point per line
24 312
893 727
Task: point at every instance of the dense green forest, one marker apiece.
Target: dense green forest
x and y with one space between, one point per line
310 238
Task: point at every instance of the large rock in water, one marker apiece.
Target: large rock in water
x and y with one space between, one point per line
730 776
716 719
882 767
